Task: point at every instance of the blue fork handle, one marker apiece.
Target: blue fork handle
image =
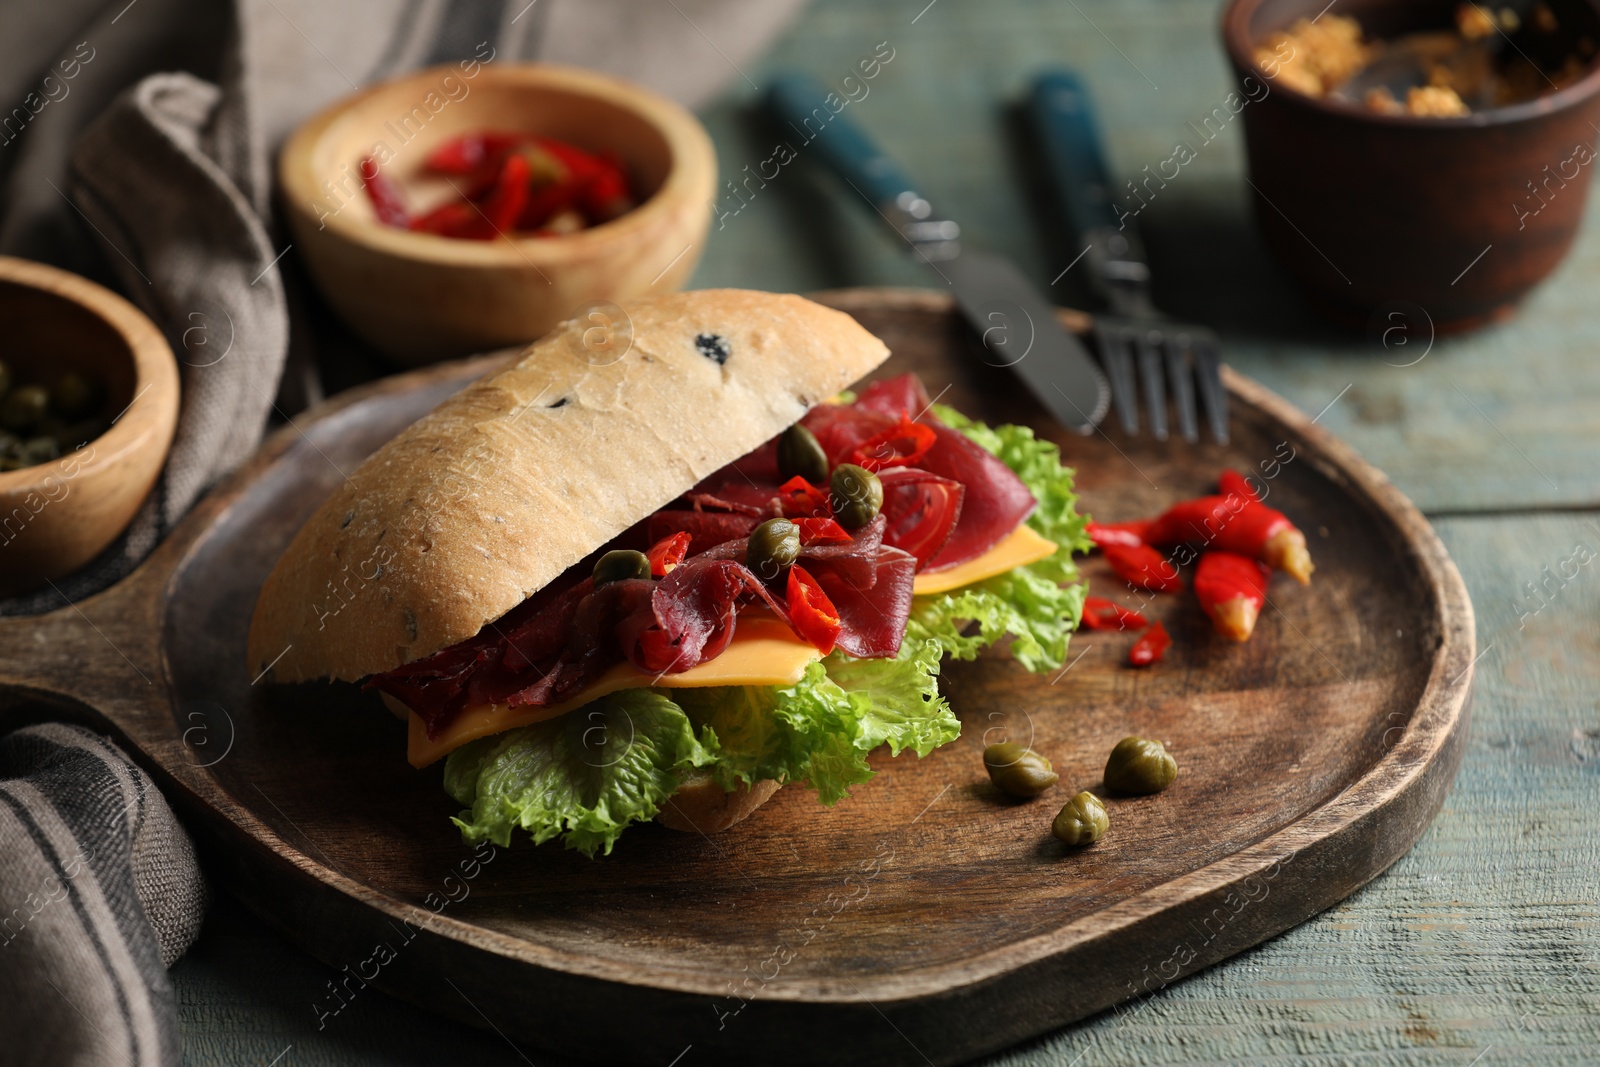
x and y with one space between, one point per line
833 137
1062 113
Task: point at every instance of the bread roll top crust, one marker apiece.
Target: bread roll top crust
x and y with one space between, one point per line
505 485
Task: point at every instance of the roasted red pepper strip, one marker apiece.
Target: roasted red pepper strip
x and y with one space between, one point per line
1143 568
811 612
1233 523
467 153
458 218
1231 481
1102 614
1150 647
1232 589
800 497
505 202
1118 533
815 531
899 446
387 203
668 552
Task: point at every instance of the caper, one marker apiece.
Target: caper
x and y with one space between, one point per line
620 564
23 407
857 495
75 397
36 450
799 455
773 546
1082 821
1140 766
1018 771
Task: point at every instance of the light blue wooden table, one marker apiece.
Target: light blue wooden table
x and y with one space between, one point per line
1482 945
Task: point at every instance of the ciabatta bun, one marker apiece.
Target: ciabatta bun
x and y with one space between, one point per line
523 473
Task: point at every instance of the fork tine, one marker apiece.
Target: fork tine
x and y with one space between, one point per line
1119 368
1155 393
1180 379
1213 397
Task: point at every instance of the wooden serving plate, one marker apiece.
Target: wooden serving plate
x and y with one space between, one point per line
925 919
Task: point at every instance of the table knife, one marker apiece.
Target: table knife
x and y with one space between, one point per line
1015 322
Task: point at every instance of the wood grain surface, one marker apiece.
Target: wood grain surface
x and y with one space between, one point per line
1313 756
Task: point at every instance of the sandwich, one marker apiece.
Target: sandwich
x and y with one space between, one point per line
658 586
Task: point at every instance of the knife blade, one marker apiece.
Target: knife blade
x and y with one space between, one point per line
1015 323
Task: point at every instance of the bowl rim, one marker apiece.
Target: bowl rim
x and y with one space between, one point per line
1236 41
686 139
154 406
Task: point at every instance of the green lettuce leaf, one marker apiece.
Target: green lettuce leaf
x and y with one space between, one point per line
1038 604
820 729
585 776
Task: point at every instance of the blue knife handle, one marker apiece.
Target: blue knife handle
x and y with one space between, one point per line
799 101
1062 113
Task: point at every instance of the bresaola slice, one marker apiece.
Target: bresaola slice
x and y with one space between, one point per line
563 638
995 502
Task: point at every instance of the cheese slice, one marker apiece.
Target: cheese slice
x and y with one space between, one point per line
764 651
1017 548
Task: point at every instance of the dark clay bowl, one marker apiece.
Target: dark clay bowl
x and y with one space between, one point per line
1369 210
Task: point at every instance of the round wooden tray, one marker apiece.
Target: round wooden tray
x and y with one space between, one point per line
923 919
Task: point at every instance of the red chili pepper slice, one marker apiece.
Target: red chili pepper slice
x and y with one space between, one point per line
817 531
1236 524
900 445
387 202
467 153
668 552
458 218
1232 483
510 194
1150 647
799 497
1232 589
1118 533
1143 568
1102 614
811 612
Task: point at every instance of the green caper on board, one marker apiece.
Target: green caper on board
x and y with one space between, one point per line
619 565
1140 766
1082 821
1018 771
857 495
773 547
799 455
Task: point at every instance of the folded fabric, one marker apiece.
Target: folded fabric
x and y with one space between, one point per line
99 894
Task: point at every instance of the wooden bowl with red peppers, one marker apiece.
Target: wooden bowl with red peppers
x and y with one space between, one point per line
1457 216
423 296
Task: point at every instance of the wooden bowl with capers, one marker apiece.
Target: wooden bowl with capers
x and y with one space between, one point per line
88 407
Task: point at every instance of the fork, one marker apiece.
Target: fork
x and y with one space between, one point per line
1134 336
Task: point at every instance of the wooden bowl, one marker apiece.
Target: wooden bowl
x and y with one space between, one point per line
1369 211
57 516
420 297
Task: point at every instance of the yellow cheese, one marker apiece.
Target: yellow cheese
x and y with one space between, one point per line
1019 547
764 651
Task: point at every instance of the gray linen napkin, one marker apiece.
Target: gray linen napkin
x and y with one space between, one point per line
99 894
136 141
